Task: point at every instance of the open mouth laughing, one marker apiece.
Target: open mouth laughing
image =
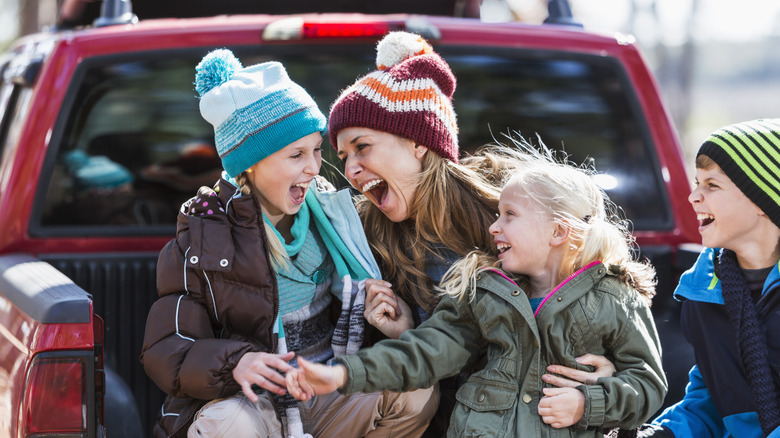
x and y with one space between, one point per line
705 219
298 191
376 191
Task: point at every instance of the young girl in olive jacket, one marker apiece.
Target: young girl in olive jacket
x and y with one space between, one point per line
258 266
567 286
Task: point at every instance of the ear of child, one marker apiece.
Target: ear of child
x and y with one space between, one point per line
560 234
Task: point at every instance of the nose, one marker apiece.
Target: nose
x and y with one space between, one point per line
494 229
695 196
352 168
313 165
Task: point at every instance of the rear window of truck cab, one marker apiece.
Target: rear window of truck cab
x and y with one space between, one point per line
132 147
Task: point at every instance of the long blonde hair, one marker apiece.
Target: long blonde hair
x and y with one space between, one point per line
279 258
453 206
598 232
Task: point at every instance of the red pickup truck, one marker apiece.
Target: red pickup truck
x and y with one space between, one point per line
101 141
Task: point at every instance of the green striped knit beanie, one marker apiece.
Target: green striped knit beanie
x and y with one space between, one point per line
255 111
749 154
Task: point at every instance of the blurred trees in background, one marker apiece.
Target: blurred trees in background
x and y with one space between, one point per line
705 83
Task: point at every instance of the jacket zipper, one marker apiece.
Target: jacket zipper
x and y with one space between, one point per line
557 288
261 223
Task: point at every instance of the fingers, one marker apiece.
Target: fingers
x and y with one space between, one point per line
246 387
280 362
374 286
384 309
560 382
306 387
579 377
553 422
380 288
270 378
547 413
604 367
293 379
593 359
304 364
263 370
552 392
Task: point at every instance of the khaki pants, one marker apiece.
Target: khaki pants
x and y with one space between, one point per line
373 415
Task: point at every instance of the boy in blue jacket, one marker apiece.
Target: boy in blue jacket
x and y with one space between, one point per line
731 302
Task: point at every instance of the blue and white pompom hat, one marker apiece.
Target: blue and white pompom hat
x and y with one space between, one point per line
255 111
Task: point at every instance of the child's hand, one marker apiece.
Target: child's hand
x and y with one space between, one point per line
311 379
385 310
561 407
263 370
573 377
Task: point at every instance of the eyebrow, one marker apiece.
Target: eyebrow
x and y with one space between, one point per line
706 178
357 137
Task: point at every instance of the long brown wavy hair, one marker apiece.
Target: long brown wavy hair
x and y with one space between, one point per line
453 205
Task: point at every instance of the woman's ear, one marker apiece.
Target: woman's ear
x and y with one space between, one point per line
560 234
420 150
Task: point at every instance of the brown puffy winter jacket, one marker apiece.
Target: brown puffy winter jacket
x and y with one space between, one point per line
218 301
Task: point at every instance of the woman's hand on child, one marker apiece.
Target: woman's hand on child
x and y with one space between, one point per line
311 379
385 310
561 407
263 370
573 377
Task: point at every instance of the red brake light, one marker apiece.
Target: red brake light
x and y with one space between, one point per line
296 28
55 396
346 30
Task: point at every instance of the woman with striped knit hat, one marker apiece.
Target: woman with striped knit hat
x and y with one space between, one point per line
423 207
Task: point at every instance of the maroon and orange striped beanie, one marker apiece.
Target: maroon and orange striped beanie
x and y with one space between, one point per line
410 95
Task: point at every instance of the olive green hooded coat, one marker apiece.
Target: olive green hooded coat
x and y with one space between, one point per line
591 312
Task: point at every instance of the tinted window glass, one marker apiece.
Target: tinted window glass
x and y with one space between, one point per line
134 149
582 105
135 146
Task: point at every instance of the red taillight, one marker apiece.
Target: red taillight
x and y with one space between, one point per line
100 377
55 398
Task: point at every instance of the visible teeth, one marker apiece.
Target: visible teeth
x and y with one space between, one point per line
303 185
704 216
370 185
503 246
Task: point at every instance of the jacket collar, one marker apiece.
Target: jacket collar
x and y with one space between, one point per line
567 291
701 283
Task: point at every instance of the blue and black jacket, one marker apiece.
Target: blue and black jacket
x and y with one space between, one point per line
718 401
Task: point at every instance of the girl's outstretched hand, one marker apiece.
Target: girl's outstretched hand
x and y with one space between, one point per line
573 378
311 379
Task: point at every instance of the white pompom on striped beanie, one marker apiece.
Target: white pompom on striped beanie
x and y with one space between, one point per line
749 154
255 111
410 95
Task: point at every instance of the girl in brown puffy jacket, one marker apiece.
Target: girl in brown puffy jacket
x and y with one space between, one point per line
252 275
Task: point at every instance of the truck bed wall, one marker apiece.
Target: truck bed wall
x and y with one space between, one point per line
123 289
